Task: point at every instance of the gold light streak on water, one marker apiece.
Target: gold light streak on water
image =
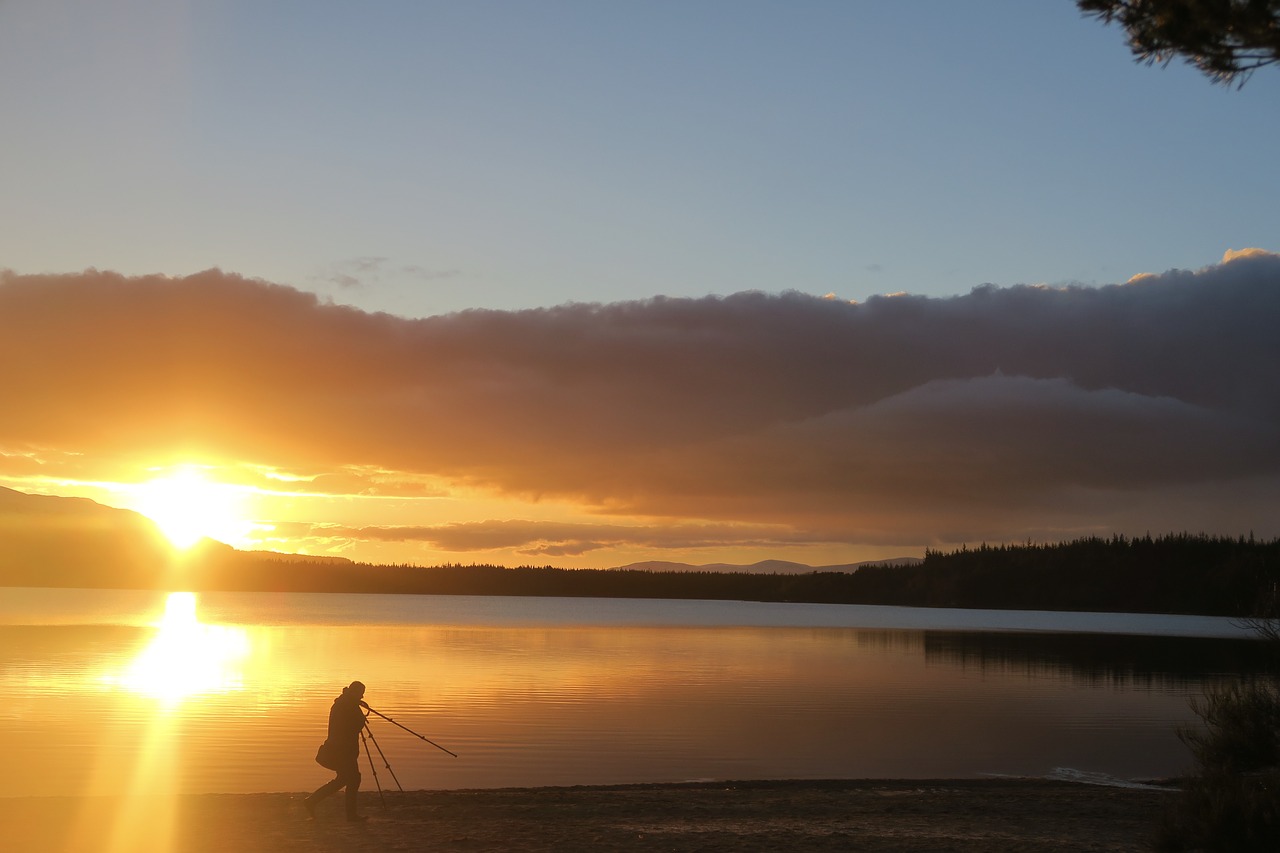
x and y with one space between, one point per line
185 661
186 658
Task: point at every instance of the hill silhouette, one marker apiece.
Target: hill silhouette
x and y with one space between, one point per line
57 541
49 540
73 542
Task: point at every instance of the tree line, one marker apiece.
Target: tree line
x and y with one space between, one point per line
1177 573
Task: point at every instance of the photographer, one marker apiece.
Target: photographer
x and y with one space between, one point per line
341 750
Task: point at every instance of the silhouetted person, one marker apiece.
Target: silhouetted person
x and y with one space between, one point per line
341 750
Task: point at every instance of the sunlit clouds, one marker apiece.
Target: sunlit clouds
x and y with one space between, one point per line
717 427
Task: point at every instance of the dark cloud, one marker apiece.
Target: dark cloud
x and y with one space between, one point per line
1153 404
565 538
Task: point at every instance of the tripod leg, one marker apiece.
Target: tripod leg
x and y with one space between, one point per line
385 763
376 781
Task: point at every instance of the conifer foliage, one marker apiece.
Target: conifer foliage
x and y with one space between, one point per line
1226 39
1232 801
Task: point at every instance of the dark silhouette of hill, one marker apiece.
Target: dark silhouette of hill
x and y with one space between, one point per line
48 540
72 542
1172 574
57 541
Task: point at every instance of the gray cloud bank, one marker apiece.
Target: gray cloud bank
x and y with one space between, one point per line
559 539
1003 414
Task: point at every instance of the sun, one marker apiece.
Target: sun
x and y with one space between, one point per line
188 507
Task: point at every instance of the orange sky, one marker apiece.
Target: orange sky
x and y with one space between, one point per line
701 430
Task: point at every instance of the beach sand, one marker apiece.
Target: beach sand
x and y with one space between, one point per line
894 816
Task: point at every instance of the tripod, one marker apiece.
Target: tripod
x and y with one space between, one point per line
409 730
365 742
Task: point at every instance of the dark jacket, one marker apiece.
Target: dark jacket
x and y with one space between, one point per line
345 722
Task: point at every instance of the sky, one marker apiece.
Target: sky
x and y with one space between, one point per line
584 284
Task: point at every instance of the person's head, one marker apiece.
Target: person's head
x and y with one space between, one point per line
356 688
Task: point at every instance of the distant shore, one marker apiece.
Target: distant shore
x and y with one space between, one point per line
1176 574
889 816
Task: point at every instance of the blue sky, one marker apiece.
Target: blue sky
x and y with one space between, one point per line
421 157
196 194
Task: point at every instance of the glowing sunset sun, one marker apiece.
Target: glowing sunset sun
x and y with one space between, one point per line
187 507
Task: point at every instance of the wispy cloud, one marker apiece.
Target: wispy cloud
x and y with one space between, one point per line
1002 413
370 270
542 538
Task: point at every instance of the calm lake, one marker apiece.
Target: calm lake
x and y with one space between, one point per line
108 691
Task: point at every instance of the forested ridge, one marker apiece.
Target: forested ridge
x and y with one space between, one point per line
1169 574
1178 573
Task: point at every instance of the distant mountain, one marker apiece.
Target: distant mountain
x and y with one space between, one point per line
289 557
58 541
73 542
48 540
764 567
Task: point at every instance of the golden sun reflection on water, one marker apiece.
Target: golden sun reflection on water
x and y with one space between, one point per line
186 658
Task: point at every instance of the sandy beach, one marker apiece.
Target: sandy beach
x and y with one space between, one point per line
894 816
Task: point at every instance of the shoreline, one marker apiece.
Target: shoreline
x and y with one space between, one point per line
887 815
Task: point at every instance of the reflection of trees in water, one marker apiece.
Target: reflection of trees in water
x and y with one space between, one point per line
1100 658
887 640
